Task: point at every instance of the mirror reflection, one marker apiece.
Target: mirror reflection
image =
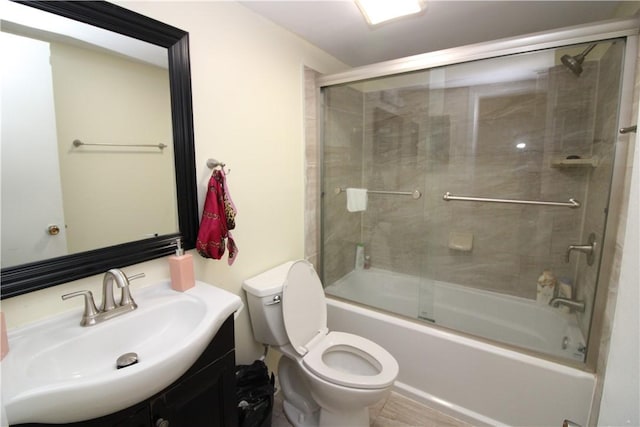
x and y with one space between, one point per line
68 81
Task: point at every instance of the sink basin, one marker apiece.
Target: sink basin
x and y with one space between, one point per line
60 372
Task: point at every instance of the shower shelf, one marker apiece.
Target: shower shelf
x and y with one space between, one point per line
575 163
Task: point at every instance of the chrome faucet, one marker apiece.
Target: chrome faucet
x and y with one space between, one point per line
572 304
589 249
108 309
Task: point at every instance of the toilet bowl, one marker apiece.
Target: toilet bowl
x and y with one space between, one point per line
327 378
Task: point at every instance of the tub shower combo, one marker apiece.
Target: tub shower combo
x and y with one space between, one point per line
480 258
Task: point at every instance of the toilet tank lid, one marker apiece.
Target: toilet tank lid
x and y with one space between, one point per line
269 282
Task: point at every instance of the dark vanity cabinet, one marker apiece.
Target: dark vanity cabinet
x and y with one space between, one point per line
203 397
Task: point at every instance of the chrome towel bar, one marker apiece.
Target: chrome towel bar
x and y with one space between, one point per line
572 203
78 143
415 194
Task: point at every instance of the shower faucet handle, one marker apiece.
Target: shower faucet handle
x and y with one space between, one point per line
589 249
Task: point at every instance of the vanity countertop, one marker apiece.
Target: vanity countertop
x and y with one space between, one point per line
57 371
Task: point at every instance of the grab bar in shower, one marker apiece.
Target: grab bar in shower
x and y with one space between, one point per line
416 194
572 203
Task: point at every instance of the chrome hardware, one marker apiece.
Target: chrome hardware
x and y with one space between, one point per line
276 300
213 163
415 194
78 143
572 203
589 249
53 230
629 129
125 294
126 359
569 423
572 304
161 422
108 308
90 311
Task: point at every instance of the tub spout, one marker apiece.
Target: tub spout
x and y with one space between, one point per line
572 304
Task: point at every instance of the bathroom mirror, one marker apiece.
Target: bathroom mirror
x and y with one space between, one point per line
137 247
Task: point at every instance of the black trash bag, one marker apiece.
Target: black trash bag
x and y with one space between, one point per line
254 394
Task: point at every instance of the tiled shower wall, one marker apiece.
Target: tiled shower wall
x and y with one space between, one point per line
604 142
312 170
401 139
342 160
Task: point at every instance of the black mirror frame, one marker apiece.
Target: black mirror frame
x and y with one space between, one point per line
43 274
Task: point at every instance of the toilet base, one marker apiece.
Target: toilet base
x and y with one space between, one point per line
299 419
358 418
299 406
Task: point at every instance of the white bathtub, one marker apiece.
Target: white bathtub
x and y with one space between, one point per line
469 379
503 318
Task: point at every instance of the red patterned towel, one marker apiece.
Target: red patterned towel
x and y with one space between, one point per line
218 217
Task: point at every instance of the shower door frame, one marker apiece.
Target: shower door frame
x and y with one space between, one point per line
611 29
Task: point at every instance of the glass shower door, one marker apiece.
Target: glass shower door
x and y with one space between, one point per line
513 157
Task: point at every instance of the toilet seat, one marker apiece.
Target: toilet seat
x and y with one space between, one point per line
376 367
338 357
304 308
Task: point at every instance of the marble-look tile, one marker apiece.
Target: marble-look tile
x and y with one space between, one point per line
278 418
400 411
344 98
395 411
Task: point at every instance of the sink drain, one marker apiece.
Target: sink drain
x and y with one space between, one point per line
127 359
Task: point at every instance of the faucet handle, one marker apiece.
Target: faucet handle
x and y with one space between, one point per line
90 310
589 249
136 276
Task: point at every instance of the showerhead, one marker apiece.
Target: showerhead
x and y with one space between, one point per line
574 63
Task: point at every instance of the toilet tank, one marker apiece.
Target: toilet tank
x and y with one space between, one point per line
264 293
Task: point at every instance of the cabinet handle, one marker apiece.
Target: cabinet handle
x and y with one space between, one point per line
161 422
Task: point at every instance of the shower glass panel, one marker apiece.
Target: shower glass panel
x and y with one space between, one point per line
487 190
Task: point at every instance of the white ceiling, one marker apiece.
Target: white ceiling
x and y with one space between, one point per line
337 26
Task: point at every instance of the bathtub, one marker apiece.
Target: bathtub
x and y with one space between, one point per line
470 379
503 318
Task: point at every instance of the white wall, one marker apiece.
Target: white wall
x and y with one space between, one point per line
621 394
247 78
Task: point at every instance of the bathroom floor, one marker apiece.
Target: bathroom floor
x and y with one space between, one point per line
395 411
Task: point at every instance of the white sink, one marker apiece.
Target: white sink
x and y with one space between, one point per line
57 371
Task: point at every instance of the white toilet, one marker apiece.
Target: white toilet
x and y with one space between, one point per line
327 378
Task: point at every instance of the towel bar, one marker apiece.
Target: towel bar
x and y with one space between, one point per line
415 194
572 203
78 143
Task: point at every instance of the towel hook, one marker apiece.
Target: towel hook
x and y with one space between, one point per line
213 163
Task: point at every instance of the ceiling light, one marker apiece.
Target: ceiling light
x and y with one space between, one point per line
377 11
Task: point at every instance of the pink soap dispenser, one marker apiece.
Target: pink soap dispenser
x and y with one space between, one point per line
181 267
